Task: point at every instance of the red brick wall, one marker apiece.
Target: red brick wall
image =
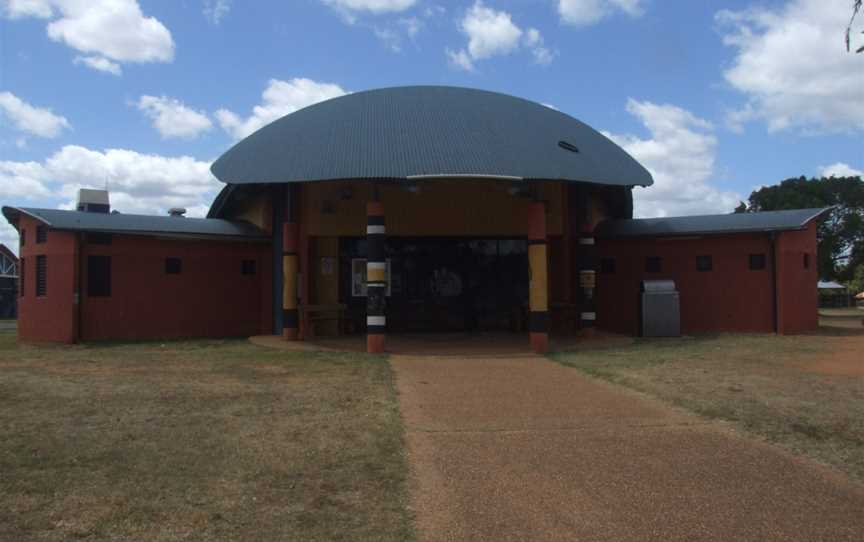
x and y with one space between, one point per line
731 297
209 298
49 318
798 296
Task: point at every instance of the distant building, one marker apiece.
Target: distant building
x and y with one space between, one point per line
8 282
433 209
833 295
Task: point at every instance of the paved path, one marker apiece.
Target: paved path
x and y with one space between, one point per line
521 448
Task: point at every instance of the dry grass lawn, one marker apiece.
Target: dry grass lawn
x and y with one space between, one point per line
210 440
805 393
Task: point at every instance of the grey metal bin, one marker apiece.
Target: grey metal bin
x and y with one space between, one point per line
661 309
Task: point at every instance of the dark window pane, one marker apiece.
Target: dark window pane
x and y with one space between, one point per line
173 266
247 267
21 277
99 276
653 264
41 234
757 262
41 276
704 263
806 261
607 266
23 237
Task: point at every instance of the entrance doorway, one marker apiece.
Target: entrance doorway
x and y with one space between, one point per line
444 284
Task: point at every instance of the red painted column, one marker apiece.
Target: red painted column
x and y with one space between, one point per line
538 288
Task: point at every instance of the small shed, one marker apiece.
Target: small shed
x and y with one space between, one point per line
833 295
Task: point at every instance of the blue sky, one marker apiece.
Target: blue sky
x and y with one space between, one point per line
715 98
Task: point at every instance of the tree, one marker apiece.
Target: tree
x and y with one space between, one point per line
841 231
856 7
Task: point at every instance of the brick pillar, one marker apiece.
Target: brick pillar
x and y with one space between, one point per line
376 278
290 268
538 289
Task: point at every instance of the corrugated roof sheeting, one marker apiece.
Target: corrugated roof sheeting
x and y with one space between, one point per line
709 224
402 132
137 224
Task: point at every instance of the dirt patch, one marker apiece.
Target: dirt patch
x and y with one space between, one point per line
846 358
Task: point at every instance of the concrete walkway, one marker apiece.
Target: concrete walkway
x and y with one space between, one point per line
521 448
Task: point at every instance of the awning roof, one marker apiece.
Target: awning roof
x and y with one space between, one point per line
767 221
137 224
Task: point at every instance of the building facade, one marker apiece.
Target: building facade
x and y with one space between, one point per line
416 209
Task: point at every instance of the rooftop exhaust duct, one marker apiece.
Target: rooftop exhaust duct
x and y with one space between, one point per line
93 201
177 211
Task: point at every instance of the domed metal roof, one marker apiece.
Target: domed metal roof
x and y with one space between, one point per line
426 131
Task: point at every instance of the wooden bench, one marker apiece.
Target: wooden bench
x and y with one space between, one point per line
324 313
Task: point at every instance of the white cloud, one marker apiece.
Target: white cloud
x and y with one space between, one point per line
372 6
33 120
840 169
278 99
216 10
587 12
15 9
493 33
793 67
9 236
26 180
173 119
680 155
139 183
534 41
104 30
99 63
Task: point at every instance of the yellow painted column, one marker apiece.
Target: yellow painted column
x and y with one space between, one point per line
538 292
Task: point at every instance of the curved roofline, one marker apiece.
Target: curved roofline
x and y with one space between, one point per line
428 132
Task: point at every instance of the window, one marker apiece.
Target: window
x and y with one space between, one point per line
41 234
247 267
99 276
21 277
653 264
23 237
173 266
99 238
704 263
806 261
757 262
41 276
607 266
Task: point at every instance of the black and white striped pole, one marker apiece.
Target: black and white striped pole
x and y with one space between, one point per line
376 278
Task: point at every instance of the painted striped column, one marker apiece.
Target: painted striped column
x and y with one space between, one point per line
290 268
586 261
538 290
376 278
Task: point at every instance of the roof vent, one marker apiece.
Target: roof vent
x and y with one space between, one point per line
93 201
177 211
567 146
